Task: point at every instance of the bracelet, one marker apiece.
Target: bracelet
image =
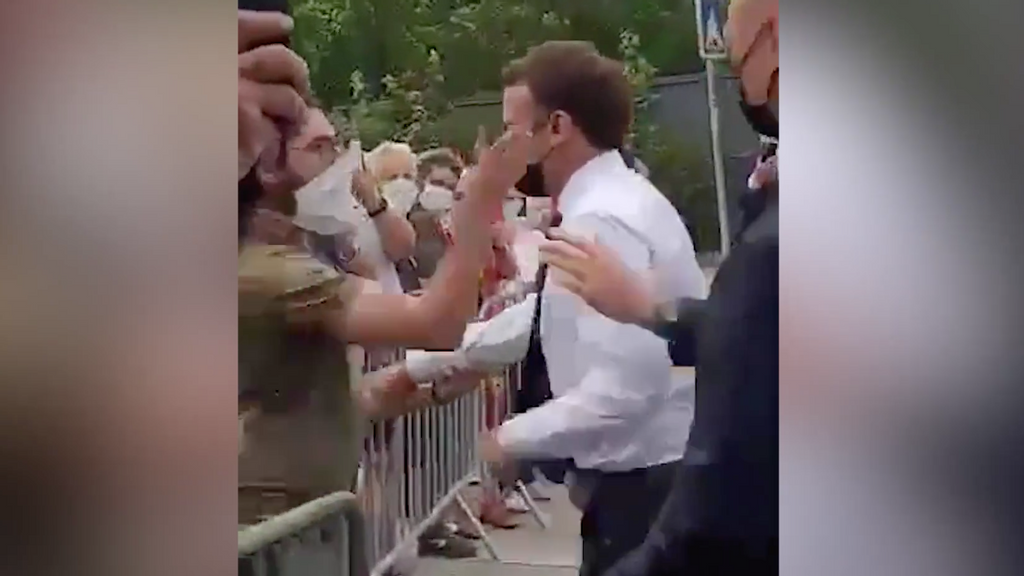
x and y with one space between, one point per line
380 209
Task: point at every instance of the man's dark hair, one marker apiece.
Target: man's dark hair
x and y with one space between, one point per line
437 158
575 78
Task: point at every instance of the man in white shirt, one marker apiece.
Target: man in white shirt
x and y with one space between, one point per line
616 410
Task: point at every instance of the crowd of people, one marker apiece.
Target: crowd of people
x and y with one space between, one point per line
400 248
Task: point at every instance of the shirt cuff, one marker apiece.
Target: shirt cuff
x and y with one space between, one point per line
514 437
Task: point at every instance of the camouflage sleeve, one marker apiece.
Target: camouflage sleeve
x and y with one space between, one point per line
294 282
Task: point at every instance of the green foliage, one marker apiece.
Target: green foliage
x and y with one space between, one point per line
680 171
474 37
405 110
393 69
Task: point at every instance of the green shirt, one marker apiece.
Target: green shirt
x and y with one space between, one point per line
302 434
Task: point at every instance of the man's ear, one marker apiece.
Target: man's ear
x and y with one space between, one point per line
560 126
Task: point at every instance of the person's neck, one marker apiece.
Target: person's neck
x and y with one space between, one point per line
575 158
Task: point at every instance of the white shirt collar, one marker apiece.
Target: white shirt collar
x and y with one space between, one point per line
576 187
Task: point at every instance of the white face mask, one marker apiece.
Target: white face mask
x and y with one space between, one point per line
329 196
400 194
436 199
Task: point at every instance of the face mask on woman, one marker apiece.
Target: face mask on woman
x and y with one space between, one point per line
436 200
400 194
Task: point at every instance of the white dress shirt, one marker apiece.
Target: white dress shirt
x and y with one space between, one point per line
616 405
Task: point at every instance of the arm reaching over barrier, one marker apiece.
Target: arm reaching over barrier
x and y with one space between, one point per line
438 318
438 377
485 346
390 392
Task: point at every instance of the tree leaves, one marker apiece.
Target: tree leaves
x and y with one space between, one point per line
475 38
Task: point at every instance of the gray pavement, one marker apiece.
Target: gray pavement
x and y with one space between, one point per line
529 550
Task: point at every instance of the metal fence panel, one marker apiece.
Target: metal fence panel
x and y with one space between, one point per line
324 536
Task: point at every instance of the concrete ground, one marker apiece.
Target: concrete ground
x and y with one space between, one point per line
529 550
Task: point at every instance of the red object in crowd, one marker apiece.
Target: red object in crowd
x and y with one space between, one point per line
501 265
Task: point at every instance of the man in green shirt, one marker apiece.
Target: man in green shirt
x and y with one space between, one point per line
297 315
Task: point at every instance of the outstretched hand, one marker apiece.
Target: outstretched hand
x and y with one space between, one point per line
599 277
501 165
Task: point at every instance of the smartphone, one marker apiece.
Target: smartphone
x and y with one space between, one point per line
282 6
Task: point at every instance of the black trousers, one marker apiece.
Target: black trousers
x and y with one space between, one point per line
621 510
706 555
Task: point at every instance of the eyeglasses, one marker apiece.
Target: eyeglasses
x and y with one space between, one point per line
324 147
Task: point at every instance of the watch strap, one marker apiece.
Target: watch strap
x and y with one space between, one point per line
380 209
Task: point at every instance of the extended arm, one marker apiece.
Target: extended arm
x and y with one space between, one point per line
438 318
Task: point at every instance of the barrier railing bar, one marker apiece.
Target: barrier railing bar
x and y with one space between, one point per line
253 538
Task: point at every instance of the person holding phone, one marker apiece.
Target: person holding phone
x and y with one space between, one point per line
384 235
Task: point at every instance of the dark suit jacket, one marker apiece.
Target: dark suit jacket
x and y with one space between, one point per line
727 488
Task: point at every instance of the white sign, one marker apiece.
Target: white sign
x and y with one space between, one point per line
710 33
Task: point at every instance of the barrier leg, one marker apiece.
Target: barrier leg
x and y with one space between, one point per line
478 526
539 516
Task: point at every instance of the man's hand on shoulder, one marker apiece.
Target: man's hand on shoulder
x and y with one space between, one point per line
598 276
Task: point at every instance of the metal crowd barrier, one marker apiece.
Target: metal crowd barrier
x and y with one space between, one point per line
417 467
414 470
324 536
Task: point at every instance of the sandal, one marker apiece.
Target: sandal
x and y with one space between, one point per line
497 515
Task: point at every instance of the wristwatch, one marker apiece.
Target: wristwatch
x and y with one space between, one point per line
381 208
664 322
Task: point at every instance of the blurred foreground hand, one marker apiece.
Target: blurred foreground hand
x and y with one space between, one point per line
273 84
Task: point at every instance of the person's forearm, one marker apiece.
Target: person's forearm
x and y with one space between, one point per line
389 393
448 389
397 236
